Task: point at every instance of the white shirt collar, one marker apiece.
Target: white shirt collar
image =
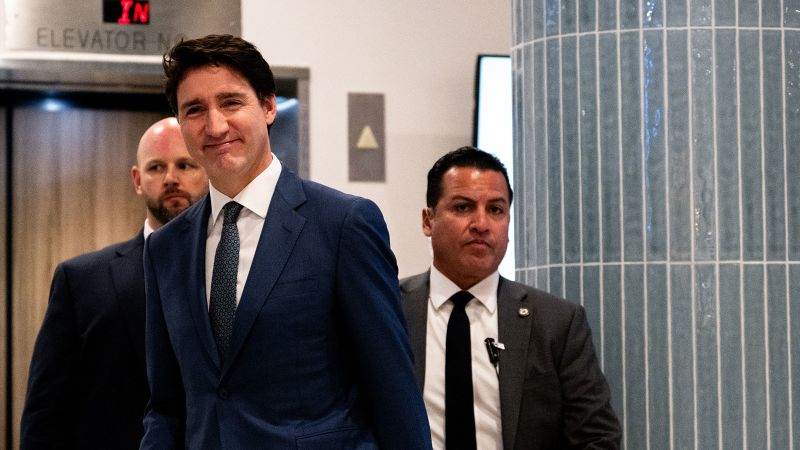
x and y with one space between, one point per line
148 230
442 288
252 196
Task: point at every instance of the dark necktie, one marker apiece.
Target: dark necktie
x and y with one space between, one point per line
223 280
459 416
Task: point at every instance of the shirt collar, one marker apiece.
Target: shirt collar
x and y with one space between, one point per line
148 230
442 288
252 196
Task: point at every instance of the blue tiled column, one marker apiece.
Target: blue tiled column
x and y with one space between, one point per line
657 154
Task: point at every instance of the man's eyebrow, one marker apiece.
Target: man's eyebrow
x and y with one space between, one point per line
498 200
152 162
188 103
224 95
221 96
461 199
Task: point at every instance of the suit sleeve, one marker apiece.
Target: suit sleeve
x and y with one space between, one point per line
165 417
369 295
589 421
45 416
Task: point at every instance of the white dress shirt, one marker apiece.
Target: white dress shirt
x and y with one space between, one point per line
147 230
482 314
255 198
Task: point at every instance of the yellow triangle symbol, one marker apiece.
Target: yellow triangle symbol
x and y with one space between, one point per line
366 140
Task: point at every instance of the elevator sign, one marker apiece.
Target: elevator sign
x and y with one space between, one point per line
125 27
126 12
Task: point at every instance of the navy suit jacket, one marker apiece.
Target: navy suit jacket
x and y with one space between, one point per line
87 387
319 356
553 394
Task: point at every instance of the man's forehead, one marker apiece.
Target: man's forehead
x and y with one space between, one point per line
164 153
212 70
470 181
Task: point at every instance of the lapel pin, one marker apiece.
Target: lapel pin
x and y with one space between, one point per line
524 312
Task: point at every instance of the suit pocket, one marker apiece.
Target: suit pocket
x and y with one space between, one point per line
295 288
342 438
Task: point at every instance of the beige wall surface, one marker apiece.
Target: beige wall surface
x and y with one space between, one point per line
72 194
3 280
421 55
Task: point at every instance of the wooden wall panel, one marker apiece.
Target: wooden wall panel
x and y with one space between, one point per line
3 281
72 193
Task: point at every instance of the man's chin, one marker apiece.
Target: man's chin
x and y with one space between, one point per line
174 212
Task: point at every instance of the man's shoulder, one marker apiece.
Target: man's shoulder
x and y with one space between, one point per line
104 255
414 282
538 298
325 194
330 204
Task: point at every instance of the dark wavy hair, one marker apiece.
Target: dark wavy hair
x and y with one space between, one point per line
217 50
462 157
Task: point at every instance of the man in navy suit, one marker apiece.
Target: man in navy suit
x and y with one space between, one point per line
273 309
533 381
87 387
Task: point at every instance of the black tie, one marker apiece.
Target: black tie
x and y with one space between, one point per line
223 280
459 416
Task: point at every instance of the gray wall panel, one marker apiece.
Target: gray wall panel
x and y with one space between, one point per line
635 361
590 207
778 355
727 146
702 146
631 146
754 351
655 201
775 201
706 353
570 151
750 137
730 332
680 216
681 234
683 369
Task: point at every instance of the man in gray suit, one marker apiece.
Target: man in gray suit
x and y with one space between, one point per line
502 365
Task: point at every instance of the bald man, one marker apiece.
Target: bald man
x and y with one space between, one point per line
87 387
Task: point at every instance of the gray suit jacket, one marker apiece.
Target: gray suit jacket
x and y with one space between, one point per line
553 394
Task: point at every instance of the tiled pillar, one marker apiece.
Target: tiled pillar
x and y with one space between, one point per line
657 162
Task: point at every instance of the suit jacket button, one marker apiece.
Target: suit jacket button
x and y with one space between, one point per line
223 393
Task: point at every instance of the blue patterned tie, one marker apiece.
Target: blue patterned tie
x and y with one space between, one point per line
223 280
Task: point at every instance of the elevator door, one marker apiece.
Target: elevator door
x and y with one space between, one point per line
71 192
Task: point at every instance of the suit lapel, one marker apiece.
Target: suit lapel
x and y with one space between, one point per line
514 332
278 237
127 275
415 306
193 273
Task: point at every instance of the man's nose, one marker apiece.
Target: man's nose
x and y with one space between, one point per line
480 220
216 123
171 174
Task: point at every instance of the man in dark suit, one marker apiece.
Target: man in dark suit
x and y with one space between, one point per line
532 378
273 309
87 387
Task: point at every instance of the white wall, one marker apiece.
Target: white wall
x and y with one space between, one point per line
420 54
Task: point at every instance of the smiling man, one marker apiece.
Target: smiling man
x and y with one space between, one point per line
273 309
87 387
502 365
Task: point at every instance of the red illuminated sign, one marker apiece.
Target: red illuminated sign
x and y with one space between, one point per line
126 12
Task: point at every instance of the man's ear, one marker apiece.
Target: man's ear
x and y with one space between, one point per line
427 217
137 179
270 108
